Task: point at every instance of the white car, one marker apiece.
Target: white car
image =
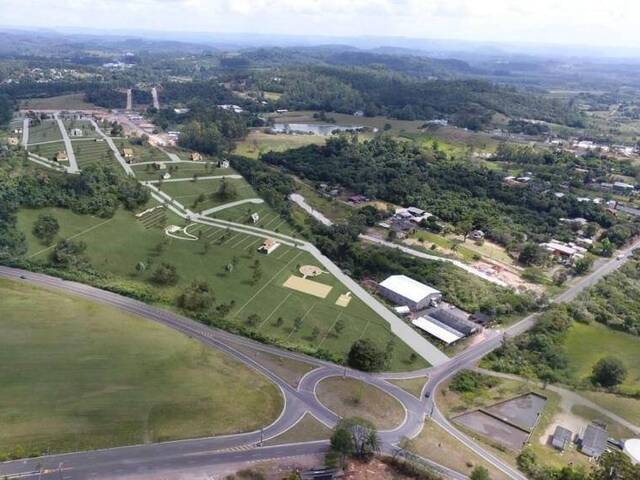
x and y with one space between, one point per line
620 257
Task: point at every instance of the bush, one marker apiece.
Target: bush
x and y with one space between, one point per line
46 227
366 356
469 381
165 274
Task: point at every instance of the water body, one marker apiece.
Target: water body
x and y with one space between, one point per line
312 128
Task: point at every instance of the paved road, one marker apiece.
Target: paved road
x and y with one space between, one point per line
156 102
129 99
73 164
209 211
25 132
302 203
190 179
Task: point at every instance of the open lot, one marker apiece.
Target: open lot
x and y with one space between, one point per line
142 153
46 131
258 142
349 397
48 150
187 192
180 170
90 152
78 375
83 125
290 318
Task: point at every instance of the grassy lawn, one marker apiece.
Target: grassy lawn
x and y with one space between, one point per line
269 218
85 125
180 170
333 209
73 101
116 245
306 430
83 376
625 407
91 153
187 192
142 153
349 397
586 344
412 385
437 445
46 131
48 150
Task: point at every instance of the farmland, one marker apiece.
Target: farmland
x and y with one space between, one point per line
84 376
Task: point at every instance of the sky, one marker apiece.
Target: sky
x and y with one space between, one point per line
610 23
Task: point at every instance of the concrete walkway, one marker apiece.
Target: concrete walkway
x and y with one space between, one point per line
190 179
209 211
25 132
73 164
426 256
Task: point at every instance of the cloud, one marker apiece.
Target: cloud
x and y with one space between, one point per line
549 21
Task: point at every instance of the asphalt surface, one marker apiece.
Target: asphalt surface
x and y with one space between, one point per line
73 164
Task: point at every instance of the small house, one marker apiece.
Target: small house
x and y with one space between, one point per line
594 441
61 156
75 132
255 218
223 163
159 165
268 246
561 438
196 157
127 153
166 176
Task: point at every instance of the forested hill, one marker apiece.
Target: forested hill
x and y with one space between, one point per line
467 103
459 192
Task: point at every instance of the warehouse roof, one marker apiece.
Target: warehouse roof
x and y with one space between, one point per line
437 329
408 287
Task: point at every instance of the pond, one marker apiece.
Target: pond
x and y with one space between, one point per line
312 128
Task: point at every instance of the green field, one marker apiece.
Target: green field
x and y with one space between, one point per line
269 218
77 375
187 192
85 125
48 150
89 152
180 170
142 153
116 245
73 101
586 344
46 131
258 142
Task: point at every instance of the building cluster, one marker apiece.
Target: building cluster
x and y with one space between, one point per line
405 221
423 305
231 108
594 441
566 252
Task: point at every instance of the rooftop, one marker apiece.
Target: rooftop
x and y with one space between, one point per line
408 287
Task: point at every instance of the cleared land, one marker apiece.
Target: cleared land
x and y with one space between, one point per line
187 192
89 152
183 170
294 319
61 102
77 375
48 150
258 142
142 153
349 397
412 385
85 126
45 131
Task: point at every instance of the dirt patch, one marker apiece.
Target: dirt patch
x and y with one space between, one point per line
373 470
511 278
310 287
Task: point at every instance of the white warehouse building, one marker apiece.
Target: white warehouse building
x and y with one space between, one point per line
403 290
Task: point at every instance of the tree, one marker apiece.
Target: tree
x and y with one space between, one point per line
140 267
479 473
339 326
609 372
165 274
226 191
355 437
46 227
532 254
69 254
253 320
615 465
196 297
583 265
366 356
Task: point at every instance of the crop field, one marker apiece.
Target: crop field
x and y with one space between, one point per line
188 191
46 131
293 318
78 375
180 170
586 344
89 152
